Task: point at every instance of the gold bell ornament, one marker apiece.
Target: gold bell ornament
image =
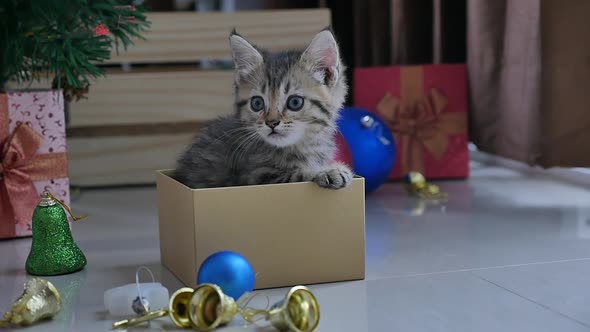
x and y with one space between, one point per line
206 308
416 184
39 300
299 311
203 309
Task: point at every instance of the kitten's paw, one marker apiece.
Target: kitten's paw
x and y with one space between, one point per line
338 177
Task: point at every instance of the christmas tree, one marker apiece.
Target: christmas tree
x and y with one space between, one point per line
64 39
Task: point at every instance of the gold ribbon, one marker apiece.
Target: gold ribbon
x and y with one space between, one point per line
417 120
20 166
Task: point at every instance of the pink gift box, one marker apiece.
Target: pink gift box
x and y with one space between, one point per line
32 122
426 109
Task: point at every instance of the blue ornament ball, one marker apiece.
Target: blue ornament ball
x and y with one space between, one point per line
371 145
230 271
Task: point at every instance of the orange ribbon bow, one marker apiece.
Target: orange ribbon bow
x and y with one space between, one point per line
418 121
20 166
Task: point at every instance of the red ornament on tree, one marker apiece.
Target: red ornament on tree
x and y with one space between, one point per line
101 30
126 19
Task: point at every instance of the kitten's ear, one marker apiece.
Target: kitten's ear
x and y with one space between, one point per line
322 58
246 58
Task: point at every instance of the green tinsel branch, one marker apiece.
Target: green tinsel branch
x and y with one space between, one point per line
65 39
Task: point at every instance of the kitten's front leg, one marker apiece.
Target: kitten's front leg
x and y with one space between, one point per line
335 176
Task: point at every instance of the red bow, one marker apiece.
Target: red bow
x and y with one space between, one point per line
19 167
418 120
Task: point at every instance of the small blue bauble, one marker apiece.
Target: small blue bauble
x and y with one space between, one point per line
228 270
371 144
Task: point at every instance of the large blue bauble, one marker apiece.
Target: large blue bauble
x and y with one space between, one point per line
228 270
371 144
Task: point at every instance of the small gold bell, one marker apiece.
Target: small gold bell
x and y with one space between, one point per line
178 307
416 180
417 185
204 309
210 308
39 300
299 311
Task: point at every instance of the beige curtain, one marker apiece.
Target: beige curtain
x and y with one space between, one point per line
529 80
504 59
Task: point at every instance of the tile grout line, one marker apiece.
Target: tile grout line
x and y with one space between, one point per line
484 268
531 300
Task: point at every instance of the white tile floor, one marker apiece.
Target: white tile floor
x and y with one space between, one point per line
510 251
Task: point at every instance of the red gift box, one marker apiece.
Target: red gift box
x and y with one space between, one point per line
426 109
32 156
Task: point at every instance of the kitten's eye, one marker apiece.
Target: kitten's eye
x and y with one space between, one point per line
295 103
257 103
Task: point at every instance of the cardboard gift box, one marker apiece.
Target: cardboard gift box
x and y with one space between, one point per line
426 109
295 233
33 156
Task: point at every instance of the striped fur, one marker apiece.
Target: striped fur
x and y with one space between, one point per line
277 144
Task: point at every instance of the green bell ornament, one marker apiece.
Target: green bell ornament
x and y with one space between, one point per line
53 251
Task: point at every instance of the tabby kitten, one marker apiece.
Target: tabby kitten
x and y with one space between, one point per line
287 104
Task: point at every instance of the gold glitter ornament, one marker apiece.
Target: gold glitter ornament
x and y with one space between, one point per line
39 300
53 250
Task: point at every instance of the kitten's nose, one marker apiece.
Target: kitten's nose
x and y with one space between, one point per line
272 123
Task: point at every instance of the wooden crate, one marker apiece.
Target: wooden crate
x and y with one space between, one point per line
136 122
